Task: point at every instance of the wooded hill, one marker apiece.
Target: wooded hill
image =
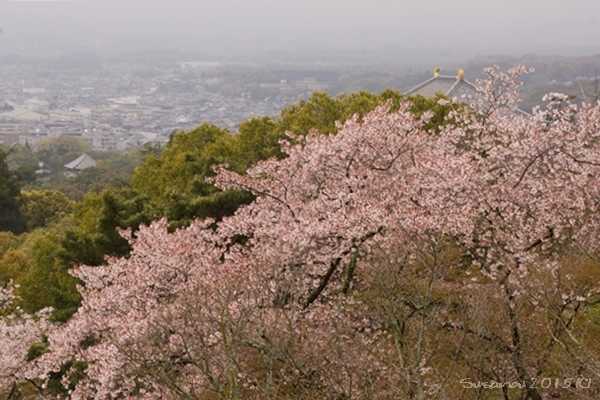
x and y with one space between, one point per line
413 251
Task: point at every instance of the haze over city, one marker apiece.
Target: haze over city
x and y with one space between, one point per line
240 27
276 199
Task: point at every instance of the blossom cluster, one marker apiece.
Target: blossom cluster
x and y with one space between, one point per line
260 305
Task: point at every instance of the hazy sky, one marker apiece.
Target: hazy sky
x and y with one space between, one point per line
494 24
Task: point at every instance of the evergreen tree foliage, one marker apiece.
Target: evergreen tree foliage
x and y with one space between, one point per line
47 282
10 216
39 208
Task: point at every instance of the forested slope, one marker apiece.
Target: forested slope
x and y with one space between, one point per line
410 251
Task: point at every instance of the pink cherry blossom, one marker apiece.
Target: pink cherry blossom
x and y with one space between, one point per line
261 303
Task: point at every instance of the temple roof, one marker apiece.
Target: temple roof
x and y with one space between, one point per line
451 86
81 162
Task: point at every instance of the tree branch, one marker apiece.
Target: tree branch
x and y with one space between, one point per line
324 281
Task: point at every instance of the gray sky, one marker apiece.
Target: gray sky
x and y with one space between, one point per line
520 25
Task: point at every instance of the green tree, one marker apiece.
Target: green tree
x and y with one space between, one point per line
8 241
94 234
320 112
257 139
10 215
181 161
25 162
82 240
47 282
170 182
58 151
21 156
112 170
174 183
13 264
421 104
362 102
42 207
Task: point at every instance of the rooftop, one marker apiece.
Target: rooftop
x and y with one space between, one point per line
451 86
81 162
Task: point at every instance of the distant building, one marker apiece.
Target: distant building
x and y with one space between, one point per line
128 101
14 127
43 169
34 90
37 104
8 139
21 114
71 115
101 140
199 64
282 86
450 86
310 84
80 163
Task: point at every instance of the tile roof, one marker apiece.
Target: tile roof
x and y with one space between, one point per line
450 86
81 162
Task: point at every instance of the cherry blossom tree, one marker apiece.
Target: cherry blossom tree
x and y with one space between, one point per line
389 260
18 333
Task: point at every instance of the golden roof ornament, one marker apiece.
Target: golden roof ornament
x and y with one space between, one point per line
461 74
436 72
